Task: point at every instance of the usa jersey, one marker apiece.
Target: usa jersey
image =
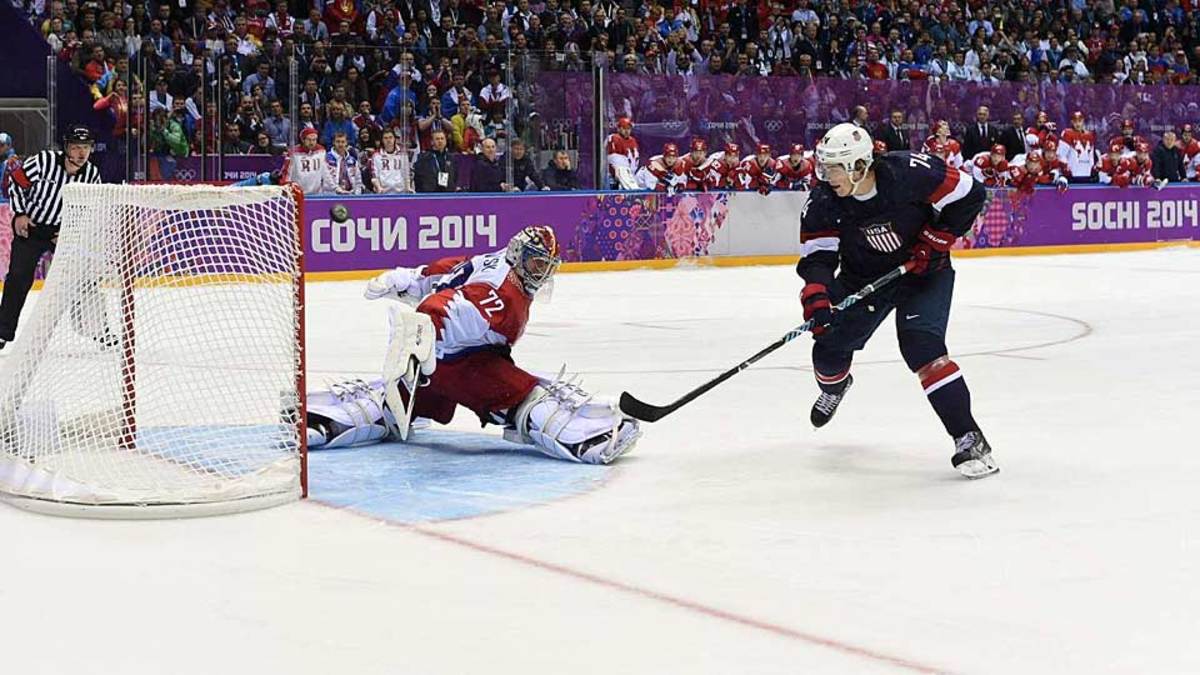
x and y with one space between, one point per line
866 236
474 304
306 168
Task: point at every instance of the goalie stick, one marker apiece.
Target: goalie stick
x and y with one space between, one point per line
652 413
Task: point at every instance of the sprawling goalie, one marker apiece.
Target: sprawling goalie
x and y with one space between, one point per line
454 349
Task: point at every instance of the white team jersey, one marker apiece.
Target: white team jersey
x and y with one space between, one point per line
474 304
1078 152
307 169
391 171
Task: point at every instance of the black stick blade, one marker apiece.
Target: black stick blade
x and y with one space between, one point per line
640 410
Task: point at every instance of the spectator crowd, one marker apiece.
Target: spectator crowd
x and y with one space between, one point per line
451 77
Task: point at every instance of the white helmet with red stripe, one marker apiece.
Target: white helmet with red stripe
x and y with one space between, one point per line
533 255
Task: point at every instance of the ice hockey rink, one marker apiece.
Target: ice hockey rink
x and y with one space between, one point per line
736 539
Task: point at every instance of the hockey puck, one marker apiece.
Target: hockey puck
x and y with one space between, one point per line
339 213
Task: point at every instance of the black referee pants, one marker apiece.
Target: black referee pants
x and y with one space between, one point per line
26 252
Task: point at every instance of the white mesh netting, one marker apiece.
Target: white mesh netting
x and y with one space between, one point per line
160 365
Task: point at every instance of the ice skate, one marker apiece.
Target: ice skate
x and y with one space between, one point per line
973 456
827 404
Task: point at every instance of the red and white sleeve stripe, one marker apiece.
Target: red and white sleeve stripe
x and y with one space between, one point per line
953 187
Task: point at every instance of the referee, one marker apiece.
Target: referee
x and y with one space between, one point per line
35 193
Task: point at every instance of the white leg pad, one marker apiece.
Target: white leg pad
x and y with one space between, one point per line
355 412
563 421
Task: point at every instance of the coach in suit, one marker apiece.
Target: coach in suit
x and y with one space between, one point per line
1013 136
979 135
894 135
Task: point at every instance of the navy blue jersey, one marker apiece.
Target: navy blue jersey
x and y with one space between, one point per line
868 236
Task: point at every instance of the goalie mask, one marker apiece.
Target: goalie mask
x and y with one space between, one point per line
533 255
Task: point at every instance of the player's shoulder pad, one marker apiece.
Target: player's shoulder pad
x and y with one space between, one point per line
820 209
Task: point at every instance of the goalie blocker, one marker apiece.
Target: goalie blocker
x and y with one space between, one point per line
476 309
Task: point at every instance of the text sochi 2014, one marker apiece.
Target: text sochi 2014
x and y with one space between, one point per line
1135 215
392 234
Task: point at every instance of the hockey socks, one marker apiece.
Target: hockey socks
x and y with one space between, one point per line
948 394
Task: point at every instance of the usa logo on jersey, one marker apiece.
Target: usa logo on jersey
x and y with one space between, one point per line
883 238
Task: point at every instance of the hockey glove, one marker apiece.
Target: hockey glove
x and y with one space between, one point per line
817 308
1061 183
930 244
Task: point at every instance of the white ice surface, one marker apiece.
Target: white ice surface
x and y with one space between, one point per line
736 539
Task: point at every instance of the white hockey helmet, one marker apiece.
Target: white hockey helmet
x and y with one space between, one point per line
533 255
845 145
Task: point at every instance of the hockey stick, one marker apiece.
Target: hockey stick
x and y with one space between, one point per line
652 413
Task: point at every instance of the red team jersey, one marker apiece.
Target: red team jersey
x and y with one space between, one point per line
1117 172
722 175
758 176
622 151
1129 142
794 176
666 176
951 151
474 304
697 172
1191 157
991 174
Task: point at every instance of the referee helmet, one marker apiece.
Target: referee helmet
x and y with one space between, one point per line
78 134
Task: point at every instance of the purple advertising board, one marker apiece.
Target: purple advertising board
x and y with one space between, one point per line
1088 215
384 232
413 230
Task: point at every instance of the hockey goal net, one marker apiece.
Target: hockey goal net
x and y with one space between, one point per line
161 372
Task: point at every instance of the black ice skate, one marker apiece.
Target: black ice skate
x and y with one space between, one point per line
973 456
827 404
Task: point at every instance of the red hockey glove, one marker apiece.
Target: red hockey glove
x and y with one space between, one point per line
930 243
815 300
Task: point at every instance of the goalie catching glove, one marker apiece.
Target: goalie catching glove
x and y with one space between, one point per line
402 284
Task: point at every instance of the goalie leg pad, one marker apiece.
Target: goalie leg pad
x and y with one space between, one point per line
563 421
350 413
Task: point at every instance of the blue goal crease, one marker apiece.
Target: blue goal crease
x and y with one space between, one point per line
444 475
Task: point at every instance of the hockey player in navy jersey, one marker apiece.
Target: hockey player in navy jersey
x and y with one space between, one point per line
869 215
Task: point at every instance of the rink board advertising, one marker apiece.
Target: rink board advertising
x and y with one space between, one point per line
383 232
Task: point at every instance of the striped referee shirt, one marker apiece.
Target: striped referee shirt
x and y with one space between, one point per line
35 188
